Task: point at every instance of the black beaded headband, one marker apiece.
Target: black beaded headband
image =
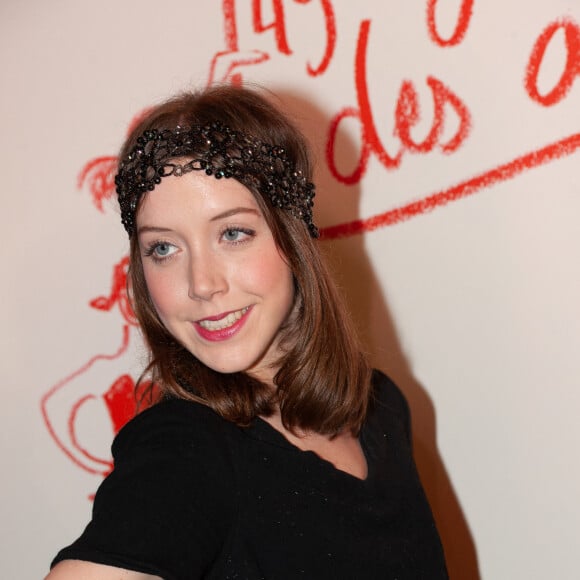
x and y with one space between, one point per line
221 152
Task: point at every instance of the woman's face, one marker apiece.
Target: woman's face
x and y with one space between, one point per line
214 272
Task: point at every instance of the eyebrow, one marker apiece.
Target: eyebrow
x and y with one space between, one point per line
234 211
220 216
145 229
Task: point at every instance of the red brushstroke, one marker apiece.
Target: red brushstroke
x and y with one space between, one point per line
71 448
278 24
230 25
107 464
121 402
99 175
369 135
406 116
571 70
330 27
225 64
119 399
504 172
118 294
463 20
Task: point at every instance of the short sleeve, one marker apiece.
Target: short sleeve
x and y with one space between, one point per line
168 505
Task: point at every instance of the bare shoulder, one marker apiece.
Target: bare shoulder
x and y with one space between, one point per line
79 570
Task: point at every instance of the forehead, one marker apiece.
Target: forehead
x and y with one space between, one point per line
195 192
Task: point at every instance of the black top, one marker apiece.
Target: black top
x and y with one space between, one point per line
194 496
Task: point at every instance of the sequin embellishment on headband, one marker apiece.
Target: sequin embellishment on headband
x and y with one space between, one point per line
221 152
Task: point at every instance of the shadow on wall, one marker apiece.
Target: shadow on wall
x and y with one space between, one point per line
364 296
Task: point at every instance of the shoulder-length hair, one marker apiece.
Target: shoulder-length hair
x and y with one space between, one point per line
323 379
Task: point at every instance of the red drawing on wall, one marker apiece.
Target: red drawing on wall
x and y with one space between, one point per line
225 64
571 70
407 115
101 386
63 404
463 20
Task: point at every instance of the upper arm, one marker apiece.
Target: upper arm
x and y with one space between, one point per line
167 507
79 570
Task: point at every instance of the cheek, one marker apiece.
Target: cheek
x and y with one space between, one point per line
162 290
275 276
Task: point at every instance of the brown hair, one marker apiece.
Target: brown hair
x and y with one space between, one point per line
323 379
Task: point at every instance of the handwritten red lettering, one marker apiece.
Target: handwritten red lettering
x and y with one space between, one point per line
406 116
461 27
230 24
232 47
371 141
224 65
330 27
571 70
504 172
279 26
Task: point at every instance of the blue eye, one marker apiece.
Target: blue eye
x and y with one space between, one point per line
232 235
237 235
160 251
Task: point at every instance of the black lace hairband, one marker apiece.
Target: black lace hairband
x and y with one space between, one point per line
221 152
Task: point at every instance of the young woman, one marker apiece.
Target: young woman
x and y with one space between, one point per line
273 451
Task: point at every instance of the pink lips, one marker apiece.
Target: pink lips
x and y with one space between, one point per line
223 333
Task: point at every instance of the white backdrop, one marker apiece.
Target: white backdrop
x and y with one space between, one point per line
448 137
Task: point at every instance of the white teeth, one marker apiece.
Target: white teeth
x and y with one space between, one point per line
224 322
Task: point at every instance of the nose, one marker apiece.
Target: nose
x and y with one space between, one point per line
206 277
